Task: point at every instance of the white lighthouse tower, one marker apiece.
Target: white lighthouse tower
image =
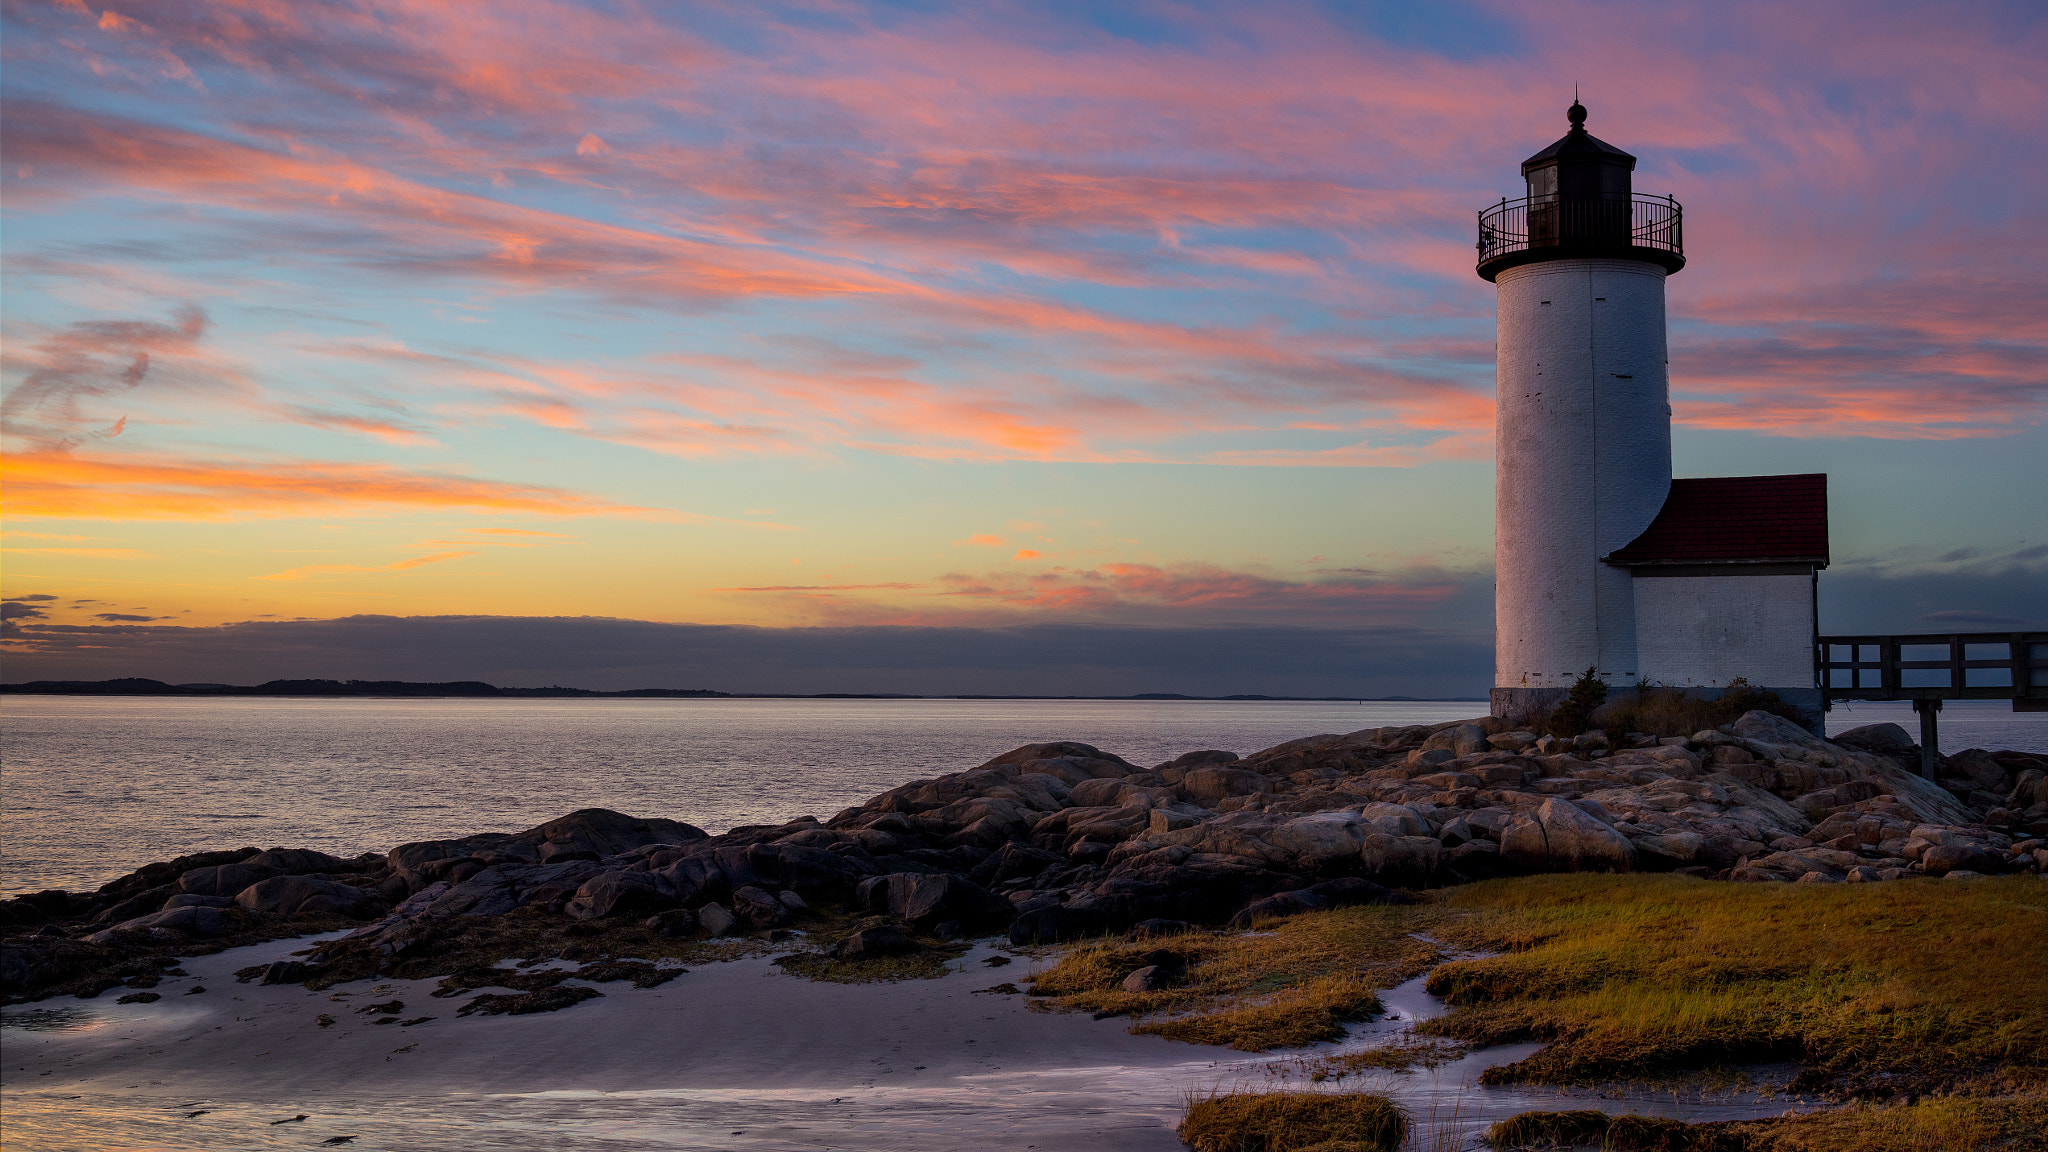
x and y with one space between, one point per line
1583 448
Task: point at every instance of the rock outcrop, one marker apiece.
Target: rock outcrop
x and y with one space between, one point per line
1058 841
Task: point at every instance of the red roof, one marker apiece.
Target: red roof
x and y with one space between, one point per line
1736 520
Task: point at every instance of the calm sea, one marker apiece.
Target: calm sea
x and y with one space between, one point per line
95 786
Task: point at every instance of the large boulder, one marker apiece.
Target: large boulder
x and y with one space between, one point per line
296 861
223 879
617 892
1459 740
757 908
1322 839
290 895
192 921
1562 837
609 833
1400 857
1884 739
1211 784
925 900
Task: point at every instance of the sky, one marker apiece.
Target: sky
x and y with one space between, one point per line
938 348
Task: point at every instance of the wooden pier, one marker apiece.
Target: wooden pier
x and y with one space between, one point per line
1928 668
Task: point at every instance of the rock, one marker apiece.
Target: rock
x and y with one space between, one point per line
1430 757
1862 874
1400 857
1322 839
284 972
758 909
2029 789
295 861
1146 979
222 880
792 901
1279 905
1169 820
1148 929
1562 837
1512 741
291 895
1964 856
1980 768
619 893
1348 891
1055 924
1212 784
1879 738
674 922
871 943
1460 740
1676 847
945 896
192 921
608 833
715 920
189 900
1816 878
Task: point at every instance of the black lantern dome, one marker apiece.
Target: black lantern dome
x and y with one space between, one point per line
1580 204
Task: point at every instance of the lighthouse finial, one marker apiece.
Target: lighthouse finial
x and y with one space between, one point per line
1577 112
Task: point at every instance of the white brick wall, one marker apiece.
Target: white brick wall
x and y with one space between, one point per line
1583 447
1703 631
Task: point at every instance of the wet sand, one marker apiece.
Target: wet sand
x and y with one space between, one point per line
730 1055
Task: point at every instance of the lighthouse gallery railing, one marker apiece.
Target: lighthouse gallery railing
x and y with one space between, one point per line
1512 226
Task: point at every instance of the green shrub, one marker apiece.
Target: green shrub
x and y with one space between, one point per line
1575 715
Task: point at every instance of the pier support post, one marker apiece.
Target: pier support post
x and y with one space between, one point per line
1930 738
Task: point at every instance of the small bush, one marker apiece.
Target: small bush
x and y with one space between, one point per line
1661 711
1575 715
1293 1122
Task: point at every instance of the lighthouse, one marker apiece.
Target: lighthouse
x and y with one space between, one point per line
1602 561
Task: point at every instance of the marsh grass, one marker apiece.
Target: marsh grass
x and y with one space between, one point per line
1292 1122
1908 986
1299 983
934 961
1938 1124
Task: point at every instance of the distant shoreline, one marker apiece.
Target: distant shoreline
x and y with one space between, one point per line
479 690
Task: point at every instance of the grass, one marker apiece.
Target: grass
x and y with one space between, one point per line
1298 983
1877 990
1911 986
1668 712
1940 1124
929 963
1292 1122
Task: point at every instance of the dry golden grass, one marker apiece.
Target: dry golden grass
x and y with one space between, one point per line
1298 983
1940 1124
1936 982
1292 1122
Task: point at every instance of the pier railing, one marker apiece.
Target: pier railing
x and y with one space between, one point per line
1929 668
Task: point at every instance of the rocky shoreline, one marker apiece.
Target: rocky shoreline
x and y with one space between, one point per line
1061 841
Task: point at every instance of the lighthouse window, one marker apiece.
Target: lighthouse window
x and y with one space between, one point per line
1543 185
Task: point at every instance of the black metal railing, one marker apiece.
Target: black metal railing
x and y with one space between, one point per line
1939 666
1512 227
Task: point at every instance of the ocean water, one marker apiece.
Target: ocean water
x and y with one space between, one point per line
94 787
98 786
